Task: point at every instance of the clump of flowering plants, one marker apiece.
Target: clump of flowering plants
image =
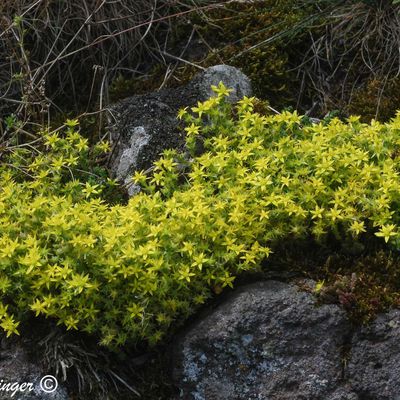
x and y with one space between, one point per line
126 273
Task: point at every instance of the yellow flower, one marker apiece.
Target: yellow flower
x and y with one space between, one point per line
185 274
71 123
319 285
387 231
317 212
192 129
221 90
182 112
90 190
357 227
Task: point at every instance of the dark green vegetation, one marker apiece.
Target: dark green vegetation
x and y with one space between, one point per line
314 56
363 279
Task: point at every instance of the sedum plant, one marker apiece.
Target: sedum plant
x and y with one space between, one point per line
127 273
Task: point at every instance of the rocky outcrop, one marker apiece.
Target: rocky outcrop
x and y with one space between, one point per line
374 365
22 378
270 341
142 126
265 341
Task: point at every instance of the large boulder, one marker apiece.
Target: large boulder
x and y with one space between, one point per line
142 126
267 341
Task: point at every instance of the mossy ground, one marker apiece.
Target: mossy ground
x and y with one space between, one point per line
378 98
227 35
271 42
363 279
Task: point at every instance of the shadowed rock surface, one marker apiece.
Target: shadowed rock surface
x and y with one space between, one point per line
374 367
142 126
269 341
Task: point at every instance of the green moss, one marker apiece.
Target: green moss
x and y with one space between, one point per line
364 286
363 279
122 87
377 98
271 42
238 34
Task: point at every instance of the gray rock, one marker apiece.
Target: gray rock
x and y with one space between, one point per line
230 76
142 126
374 367
23 376
267 341
344 393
